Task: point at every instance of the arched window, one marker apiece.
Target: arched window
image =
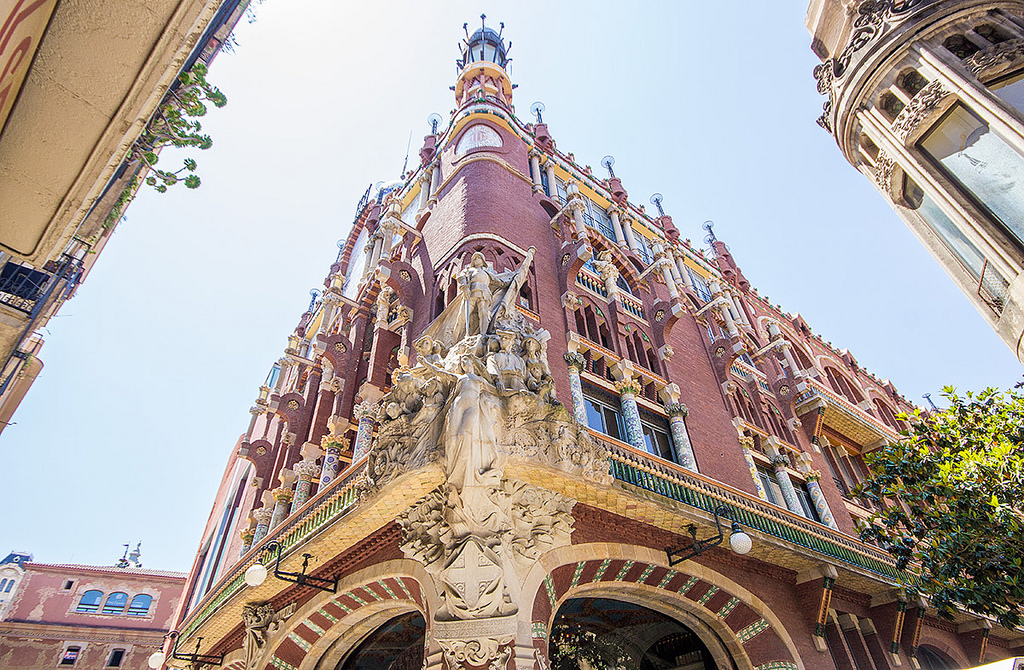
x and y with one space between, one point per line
910 81
992 33
3 583
116 603
90 601
960 46
931 659
10 583
891 105
140 605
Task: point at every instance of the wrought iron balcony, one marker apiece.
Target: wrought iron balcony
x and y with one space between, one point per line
22 286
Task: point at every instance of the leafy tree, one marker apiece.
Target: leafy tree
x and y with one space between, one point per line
953 487
575 648
176 123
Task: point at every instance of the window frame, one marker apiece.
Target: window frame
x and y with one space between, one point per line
82 608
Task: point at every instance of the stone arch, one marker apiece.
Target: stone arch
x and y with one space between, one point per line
330 624
947 651
728 618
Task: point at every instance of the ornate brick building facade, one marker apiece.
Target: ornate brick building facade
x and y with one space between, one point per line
524 409
925 99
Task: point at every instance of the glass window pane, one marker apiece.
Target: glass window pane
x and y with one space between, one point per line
947 231
612 422
90 601
767 482
140 605
594 417
115 603
1011 90
985 165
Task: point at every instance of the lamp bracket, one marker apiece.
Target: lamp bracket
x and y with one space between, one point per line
300 578
696 547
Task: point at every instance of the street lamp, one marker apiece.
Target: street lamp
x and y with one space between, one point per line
739 541
257 573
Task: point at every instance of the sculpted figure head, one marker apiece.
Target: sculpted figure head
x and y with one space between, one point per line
478 260
423 346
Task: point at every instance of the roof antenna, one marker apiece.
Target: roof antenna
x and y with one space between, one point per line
537 109
928 397
465 27
656 201
434 120
502 28
608 162
408 145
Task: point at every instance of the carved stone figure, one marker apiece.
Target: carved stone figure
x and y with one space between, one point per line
489 294
261 622
506 367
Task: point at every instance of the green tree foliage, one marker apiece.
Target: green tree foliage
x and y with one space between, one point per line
575 648
176 123
952 489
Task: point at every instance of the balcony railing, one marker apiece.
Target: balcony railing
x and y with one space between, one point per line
591 283
848 407
671 481
21 286
326 507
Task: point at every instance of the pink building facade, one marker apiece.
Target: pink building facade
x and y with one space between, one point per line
88 617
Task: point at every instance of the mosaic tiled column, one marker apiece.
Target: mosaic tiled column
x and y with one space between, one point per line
680 437
365 413
628 390
576 363
282 503
262 517
305 471
747 443
779 463
535 155
818 498
332 447
247 535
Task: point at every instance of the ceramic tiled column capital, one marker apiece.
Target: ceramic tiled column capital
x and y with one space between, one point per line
332 447
366 413
747 443
779 463
813 478
262 516
247 536
306 471
282 502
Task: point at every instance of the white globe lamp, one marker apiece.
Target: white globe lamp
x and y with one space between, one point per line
256 574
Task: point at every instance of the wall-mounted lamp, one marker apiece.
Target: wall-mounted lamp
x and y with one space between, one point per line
157 658
739 541
257 572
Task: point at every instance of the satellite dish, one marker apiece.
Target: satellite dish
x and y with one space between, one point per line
537 109
434 120
608 162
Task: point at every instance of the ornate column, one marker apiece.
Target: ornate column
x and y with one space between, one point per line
722 307
538 186
365 413
575 201
747 443
684 272
741 316
305 471
549 167
262 517
627 230
332 446
247 535
779 462
425 184
613 214
282 503
576 364
435 179
680 437
813 478
628 389
666 273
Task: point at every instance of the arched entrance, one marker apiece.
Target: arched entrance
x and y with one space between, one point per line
605 632
931 658
395 645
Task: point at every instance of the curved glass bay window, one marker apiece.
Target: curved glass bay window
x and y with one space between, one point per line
981 162
944 228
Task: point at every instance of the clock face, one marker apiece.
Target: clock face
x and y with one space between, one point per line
478 136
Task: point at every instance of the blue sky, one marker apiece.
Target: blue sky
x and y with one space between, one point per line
151 369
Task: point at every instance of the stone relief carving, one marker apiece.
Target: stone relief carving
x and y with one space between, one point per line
883 173
261 621
874 18
998 56
489 651
927 99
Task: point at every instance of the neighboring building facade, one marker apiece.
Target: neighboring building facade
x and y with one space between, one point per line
514 396
86 617
926 99
12 569
79 83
